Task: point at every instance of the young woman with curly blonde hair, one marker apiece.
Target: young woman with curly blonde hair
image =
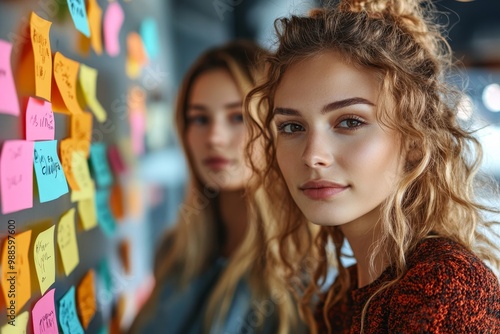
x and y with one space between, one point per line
362 138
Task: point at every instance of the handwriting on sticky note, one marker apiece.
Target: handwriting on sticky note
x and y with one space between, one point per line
99 165
17 326
113 20
88 82
16 175
9 103
104 215
65 75
44 258
86 188
81 126
95 21
40 124
16 274
66 239
44 315
67 316
87 211
79 15
86 298
50 176
66 149
40 42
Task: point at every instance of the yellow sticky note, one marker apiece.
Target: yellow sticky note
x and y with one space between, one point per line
16 275
44 258
132 68
95 21
64 96
81 173
43 55
19 326
88 82
66 149
81 130
66 239
86 301
88 215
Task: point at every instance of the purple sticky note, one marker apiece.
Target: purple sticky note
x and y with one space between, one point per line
9 104
16 174
44 315
113 20
40 122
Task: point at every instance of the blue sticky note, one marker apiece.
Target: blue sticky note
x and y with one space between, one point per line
104 216
79 15
105 275
68 319
49 173
100 166
149 34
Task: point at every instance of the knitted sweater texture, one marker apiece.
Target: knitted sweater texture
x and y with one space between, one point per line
446 289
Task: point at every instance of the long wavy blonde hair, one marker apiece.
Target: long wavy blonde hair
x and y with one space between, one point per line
438 190
193 244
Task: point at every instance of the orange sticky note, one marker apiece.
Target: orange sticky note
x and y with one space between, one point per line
125 255
43 55
64 98
66 239
95 21
86 301
81 129
135 48
66 149
16 275
44 258
116 201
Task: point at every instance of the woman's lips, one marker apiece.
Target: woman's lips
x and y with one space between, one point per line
216 163
320 190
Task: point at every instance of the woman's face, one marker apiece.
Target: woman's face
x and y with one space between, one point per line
216 135
338 161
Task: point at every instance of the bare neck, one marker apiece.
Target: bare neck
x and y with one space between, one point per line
234 216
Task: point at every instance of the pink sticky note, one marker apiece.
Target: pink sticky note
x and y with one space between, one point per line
115 159
137 131
39 120
44 315
113 20
16 175
9 104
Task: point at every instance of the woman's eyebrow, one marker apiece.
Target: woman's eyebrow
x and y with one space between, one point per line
345 103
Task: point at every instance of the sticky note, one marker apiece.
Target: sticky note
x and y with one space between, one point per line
16 274
67 316
149 34
137 131
132 68
88 82
9 104
16 175
50 176
87 211
44 315
64 97
115 159
80 169
66 149
124 249
66 239
116 201
99 165
113 20
39 29
44 258
81 130
79 15
86 298
135 48
40 123
95 21
17 326
105 275
104 216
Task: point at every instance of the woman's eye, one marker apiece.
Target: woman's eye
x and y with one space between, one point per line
350 123
289 128
237 118
197 120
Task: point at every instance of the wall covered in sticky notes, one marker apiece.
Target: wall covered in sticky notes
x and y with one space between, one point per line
76 85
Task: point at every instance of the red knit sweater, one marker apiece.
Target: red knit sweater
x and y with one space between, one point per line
446 289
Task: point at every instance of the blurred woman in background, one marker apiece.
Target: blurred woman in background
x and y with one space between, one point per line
210 268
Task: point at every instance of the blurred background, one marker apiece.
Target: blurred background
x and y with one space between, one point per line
138 88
